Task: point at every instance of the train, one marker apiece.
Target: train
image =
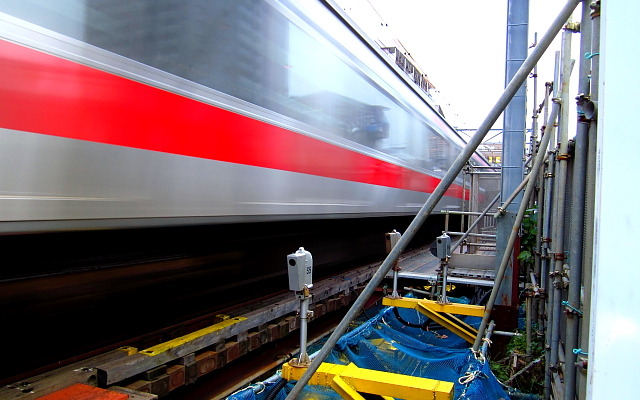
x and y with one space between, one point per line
129 114
227 132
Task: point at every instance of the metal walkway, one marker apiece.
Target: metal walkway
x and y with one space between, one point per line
470 269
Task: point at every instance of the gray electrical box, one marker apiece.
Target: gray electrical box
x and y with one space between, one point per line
443 246
300 269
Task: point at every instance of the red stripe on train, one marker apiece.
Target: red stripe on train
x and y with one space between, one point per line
49 95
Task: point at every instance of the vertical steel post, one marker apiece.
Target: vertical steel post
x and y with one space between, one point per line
529 318
543 217
590 189
437 194
513 136
544 274
304 317
473 206
578 208
562 157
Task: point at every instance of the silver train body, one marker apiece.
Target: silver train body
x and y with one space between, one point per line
127 114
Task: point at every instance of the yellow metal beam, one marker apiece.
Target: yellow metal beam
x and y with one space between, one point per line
443 314
348 380
451 308
450 322
166 346
344 389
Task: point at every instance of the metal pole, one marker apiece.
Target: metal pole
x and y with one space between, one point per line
529 318
557 243
577 209
544 275
513 137
534 117
485 345
516 226
444 265
437 194
542 214
304 311
590 191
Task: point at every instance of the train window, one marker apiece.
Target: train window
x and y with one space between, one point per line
249 50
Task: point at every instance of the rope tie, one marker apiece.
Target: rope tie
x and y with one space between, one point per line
468 377
479 356
260 387
589 55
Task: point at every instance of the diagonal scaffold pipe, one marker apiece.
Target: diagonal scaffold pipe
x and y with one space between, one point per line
511 89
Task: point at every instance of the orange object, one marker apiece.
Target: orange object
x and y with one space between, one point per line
80 391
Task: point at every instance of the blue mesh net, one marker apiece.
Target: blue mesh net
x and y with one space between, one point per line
404 341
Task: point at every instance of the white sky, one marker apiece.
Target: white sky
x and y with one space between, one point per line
460 45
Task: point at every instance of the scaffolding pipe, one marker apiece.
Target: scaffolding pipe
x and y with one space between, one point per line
482 214
487 337
529 317
575 256
590 189
516 226
437 194
544 275
534 117
473 213
479 235
562 158
578 209
480 244
542 212
485 173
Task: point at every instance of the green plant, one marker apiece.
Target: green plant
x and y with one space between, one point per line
530 380
528 237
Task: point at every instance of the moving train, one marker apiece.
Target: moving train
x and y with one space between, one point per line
120 114
159 159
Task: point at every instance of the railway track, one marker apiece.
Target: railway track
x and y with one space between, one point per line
260 334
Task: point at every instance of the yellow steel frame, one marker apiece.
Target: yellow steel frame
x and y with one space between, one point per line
443 314
349 380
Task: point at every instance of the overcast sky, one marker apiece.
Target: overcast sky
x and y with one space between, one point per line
459 44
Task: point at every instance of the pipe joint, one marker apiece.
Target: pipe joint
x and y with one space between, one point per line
582 98
590 109
595 9
555 274
582 363
573 27
532 292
